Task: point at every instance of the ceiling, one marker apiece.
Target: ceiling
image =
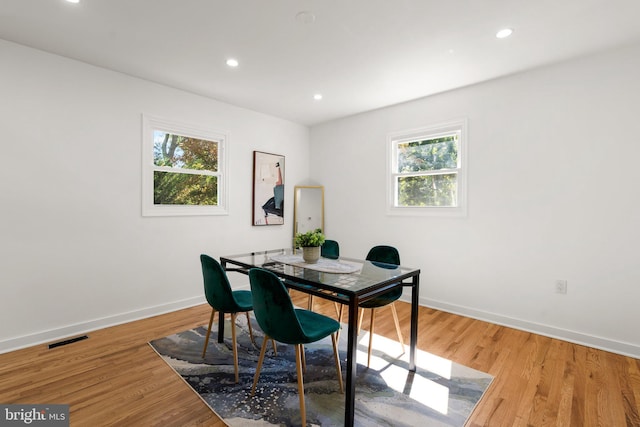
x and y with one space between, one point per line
359 54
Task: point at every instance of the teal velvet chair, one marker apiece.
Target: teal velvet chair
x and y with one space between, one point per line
280 321
221 298
381 256
330 249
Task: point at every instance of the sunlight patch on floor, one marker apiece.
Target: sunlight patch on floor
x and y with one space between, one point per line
421 389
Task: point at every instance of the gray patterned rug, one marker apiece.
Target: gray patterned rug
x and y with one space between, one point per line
439 393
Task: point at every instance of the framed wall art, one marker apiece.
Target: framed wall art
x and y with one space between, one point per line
268 189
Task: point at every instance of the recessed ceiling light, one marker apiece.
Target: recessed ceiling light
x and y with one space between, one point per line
505 32
231 62
306 17
73 1
317 96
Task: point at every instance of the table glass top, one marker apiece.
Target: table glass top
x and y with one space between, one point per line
368 275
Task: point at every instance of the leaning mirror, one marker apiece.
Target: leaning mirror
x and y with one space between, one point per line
308 208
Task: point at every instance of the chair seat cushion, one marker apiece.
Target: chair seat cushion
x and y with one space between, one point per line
243 300
288 283
384 299
316 326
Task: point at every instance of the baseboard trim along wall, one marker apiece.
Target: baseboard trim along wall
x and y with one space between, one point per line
92 325
623 348
618 347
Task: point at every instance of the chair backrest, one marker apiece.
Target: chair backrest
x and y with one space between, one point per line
273 308
217 288
383 256
330 249
383 253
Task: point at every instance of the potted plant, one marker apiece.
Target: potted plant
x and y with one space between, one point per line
310 243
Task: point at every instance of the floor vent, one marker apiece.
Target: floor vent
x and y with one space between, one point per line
69 341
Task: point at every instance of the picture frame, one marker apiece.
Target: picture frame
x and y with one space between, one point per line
268 189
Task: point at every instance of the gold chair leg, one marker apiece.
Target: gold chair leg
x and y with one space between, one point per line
303 412
397 322
304 359
360 316
206 340
336 356
263 350
339 310
250 329
235 344
275 350
310 304
371 323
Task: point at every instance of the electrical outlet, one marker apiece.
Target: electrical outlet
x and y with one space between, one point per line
561 286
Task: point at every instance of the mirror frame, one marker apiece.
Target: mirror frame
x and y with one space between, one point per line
296 208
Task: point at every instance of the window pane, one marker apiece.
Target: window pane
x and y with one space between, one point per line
429 190
428 155
172 188
183 152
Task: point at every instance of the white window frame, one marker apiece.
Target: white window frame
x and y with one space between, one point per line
151 124
428 132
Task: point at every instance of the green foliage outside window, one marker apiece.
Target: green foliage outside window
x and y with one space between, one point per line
419 182
184 189
181 157
429 190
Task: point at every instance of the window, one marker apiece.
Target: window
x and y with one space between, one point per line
427 170
183 169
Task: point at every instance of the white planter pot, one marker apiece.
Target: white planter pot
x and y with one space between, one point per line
311 254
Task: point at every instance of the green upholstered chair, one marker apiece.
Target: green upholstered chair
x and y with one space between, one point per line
280 321
221 298
330 249
381 256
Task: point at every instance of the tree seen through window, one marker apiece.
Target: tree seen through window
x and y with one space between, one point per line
185 171
427 172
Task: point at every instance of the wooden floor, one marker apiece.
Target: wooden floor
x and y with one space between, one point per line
115 378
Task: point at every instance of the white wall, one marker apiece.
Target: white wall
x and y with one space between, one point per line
75 252
553 194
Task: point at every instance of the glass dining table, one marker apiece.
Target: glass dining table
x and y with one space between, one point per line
347 281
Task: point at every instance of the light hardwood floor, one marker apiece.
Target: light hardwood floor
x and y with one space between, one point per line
115 378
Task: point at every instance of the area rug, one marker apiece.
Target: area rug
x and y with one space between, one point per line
439 393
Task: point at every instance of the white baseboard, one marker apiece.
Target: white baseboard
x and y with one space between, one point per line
92 325
623 348
51 335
